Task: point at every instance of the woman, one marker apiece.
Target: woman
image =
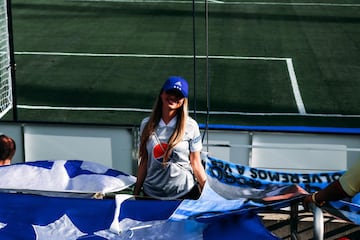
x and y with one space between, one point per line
7 149
170 144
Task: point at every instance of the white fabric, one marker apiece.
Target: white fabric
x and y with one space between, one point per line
70 176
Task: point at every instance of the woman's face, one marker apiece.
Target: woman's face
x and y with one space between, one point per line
172 99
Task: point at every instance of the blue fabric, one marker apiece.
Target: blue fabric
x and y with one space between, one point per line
90 216
20 211
348 211
147 210
243 226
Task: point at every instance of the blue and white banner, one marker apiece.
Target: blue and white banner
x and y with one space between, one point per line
236 176
63 176
262 186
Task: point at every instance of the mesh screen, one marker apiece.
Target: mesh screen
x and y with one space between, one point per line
5 71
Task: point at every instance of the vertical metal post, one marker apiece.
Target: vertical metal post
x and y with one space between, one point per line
207 72
294 214
318 222
194 59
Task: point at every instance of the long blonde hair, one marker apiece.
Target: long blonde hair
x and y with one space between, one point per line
155 117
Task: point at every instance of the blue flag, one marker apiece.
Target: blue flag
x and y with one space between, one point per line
227 208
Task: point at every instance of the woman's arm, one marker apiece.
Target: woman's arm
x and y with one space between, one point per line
199 171
141 174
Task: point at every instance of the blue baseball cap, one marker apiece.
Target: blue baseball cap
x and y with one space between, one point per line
177 83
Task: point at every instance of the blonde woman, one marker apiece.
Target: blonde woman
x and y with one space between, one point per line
170 144
7 149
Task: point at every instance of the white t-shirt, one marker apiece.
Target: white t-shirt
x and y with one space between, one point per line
174 179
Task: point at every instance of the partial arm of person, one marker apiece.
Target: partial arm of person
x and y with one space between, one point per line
332 192
198 168
347 186
141 174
